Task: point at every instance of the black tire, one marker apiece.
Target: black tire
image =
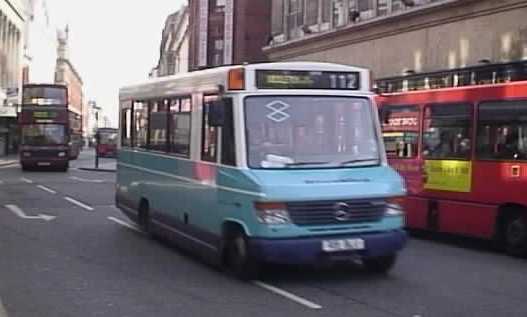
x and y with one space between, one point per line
515 234
238 258
25 168
65 167
144 220
381 264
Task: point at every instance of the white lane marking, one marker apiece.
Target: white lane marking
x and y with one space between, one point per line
86 180
288 295
26 180
125 224
78 203
49 190
3 312
20 213
1 182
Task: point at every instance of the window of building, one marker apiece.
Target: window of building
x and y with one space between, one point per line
209 146
312 12
400 126
447 131
366 9
228 142
126 127
295 17
382 7
158 120
277 17
502 130
339 13
180 123
326 11
140 124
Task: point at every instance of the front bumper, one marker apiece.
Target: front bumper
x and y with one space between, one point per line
309 250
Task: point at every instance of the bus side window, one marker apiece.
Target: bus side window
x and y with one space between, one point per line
126 127
140 124
228 148
502 130
447 131
209 145
179 123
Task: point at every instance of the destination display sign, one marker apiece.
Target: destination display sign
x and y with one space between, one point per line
43 116
289 79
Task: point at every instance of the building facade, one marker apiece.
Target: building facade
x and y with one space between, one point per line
12 21
174 49
66 74
226 32
394 37
40 46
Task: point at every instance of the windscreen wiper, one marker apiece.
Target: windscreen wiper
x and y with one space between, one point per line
306 163
360 161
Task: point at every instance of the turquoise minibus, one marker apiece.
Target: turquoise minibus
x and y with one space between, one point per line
264 163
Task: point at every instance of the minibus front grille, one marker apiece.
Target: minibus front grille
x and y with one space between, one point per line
335 212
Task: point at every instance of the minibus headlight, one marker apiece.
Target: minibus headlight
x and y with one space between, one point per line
393 207
62 154
272 213
26 154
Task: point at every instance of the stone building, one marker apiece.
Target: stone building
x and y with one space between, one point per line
66 74
12 21
226 32
173 51
393 37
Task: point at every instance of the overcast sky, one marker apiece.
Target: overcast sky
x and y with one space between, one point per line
112 42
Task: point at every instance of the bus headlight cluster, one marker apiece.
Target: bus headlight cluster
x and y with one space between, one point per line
272 213
26 154
62 154
393 207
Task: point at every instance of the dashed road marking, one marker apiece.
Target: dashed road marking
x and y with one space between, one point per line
288 295
26 180
86 180
78 203
1 182
125 224
49 190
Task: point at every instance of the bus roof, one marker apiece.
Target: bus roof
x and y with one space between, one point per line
211 79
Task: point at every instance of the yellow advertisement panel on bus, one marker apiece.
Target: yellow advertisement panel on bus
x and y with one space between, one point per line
447 175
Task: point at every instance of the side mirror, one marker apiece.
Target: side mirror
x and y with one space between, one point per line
216 111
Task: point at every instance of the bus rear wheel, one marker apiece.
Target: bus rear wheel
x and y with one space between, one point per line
238 259
380 264
516 234
144 221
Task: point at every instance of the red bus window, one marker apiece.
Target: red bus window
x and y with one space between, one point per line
400 126
502 130
447 131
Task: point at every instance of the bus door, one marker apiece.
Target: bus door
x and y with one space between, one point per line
401 125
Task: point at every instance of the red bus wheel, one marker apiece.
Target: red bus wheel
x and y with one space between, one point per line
516 234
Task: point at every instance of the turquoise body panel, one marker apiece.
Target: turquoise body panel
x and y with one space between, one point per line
208 195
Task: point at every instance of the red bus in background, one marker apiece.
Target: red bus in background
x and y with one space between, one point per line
106 142
462 148
44 127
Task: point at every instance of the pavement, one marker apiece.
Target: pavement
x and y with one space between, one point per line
8 160
65 250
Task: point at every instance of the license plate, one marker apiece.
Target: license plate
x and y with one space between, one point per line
342 245
43 163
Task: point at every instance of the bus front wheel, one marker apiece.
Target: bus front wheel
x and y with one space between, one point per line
380 264
238 259
516 234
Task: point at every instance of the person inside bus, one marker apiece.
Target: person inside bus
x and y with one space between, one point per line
510 149
442 148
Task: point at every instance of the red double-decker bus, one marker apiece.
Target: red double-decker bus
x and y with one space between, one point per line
106 142
459 138
44 127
